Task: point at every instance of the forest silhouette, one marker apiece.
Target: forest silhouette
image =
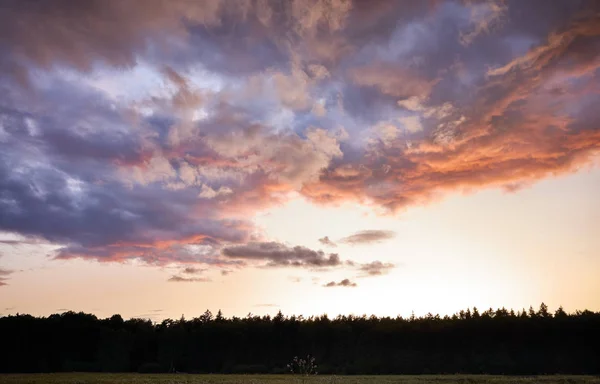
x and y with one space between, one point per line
493 341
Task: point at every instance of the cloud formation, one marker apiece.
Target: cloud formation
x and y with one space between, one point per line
193 270
342 283
3 276
326 241
155 133
368 237
280 255
376 268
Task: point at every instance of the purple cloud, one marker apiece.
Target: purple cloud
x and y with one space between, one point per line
223 110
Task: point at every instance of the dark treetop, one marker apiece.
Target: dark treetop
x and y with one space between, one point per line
494 341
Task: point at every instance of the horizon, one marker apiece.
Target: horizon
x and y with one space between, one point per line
309 157
464 314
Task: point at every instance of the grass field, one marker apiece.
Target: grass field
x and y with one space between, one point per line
95 378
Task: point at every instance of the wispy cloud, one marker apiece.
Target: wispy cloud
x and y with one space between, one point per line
3 276
17 242
180 279
368 237
342 283
326 241
193 270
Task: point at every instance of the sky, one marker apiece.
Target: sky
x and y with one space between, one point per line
308 156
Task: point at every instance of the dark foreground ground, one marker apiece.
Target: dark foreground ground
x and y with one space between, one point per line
93 378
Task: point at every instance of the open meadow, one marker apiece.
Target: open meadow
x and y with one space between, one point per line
132 378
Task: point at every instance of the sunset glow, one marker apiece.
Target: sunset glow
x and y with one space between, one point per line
311 156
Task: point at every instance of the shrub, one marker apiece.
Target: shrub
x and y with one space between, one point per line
303 367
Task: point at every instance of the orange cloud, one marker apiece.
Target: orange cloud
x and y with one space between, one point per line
513 135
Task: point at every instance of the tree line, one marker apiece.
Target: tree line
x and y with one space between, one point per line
494 341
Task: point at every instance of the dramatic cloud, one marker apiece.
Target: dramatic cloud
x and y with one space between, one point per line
82 34
326 241
157 132
368 237
485 16
517 125
376 268
343 283
280 255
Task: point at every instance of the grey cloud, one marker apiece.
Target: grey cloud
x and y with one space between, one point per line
326 241
41 202
193 270
368 237
64 184
281 255
376 268
115 31
53 124
231 36
31 241
151 253
342 283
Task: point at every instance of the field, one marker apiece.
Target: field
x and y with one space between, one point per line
93 378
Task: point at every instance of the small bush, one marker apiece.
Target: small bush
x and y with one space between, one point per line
304 367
